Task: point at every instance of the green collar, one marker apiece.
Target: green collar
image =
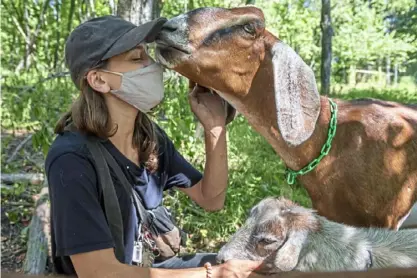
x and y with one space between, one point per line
291 174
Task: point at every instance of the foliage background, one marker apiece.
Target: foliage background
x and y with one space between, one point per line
375 35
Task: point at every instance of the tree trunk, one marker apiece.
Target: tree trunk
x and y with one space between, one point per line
139 11
250 2
112 7
388 71
39 240
326 47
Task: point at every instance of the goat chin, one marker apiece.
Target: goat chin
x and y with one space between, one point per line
169 57
409 220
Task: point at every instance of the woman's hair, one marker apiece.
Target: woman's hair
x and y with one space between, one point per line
89 114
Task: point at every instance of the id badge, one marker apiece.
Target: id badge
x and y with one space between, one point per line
137 252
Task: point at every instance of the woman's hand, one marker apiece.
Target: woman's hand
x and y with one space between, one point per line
208 107
237 269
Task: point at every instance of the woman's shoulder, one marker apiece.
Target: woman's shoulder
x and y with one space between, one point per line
68 142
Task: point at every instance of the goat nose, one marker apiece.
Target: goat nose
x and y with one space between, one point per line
170 26
178 25
220 259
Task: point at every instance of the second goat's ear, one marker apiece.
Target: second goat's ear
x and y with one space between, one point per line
288 255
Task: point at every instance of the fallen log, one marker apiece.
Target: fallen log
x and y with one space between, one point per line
39 239
32 178
5 186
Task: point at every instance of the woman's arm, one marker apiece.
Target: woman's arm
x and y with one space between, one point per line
103 263
210 192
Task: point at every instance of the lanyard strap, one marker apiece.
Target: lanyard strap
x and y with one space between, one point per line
111 204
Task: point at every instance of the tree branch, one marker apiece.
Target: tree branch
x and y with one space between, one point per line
32 87
12 157
32 39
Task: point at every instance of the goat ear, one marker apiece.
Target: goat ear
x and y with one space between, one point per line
296 96
287 256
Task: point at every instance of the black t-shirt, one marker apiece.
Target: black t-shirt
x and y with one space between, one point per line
78 222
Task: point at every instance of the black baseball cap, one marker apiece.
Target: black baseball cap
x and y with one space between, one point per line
104 37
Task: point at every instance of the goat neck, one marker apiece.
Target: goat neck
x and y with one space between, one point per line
258 107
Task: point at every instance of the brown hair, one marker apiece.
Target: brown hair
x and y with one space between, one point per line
89 114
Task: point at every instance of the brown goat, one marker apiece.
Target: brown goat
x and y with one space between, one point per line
369 178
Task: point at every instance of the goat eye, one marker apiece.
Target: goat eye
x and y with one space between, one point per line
266 241
285 210
249 28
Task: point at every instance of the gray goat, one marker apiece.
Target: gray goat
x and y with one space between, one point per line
289 237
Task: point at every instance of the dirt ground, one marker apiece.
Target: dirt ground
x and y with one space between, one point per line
13 248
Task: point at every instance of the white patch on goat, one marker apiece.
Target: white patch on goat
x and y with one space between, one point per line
358 261
308 261
410 219
311 258
405 261
348 233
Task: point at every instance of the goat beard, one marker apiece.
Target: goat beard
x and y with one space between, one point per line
265 270
268 266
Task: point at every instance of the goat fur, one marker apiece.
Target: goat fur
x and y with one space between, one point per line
336 246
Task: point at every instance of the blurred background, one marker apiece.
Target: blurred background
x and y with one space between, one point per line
357 48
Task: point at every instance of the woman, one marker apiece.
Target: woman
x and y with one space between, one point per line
119 84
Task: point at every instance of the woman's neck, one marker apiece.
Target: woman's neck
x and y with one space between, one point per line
123 117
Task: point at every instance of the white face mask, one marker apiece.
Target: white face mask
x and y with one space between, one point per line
143 88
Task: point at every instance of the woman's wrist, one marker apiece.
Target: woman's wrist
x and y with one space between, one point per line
209 270
217 271
215 131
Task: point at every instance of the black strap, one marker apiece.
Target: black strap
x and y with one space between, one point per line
145 216
111 204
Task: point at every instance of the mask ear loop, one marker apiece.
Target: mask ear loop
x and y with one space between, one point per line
114 72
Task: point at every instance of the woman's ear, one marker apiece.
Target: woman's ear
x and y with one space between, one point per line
97 81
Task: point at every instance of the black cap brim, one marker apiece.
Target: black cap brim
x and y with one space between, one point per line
143 33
